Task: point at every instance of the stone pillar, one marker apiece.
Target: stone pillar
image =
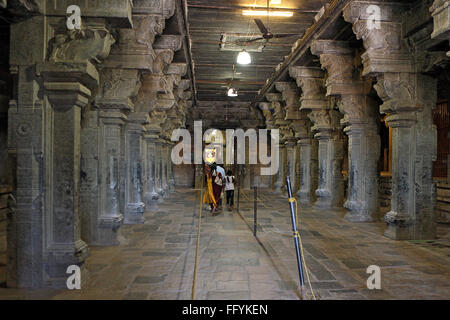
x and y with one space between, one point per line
408 99
166 160
361 125
307 160
135 130
158 172
308 171
153 165
66 101
198 176
102 143
170 174
290 97
326 129
55 81
157 97
150 194
100 166
291 158
281 124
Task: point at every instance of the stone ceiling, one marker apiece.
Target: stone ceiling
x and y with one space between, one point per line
213 22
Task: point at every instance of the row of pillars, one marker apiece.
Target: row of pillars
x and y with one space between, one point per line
339 94
90 126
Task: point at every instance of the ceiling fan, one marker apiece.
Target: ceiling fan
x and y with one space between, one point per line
266 34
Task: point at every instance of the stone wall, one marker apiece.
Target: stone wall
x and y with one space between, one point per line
443 202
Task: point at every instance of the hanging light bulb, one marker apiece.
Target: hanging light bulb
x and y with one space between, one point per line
232 92
244 57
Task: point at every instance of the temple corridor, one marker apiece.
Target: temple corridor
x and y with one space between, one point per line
156 260
117 115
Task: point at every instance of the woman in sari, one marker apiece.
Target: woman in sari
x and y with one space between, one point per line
217 184
209 194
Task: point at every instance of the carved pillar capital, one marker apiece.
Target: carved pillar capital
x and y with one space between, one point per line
290 97
68 85
301 128
117 87
386 51
403 95
134 48
156 119
340 60
163 58
311 81
265 107
92 43
323 120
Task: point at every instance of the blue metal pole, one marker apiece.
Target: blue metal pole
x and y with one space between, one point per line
255 216
295 232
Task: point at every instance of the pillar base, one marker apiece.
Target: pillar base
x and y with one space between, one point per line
325 200
134 213
356 213
107 231
161 196
59 260
172 186
304 200
151 200
277 189
401 228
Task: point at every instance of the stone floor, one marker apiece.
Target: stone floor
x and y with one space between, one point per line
156 260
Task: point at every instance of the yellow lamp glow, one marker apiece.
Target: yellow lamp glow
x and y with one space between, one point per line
265 13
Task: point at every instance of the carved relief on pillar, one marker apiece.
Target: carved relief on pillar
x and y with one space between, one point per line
90 44
324 120
397 90
267 113
279 114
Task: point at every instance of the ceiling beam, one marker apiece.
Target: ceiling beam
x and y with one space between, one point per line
188 45
241 43
234 7
235 82
331 13
227 65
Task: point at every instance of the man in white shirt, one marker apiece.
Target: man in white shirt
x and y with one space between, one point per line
229 189
221 170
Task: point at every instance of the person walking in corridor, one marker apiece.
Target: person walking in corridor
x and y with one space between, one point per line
208 197
220 170
217 184
229 189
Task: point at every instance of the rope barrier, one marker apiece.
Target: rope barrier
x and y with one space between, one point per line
194 280
296 234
